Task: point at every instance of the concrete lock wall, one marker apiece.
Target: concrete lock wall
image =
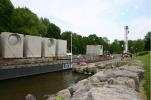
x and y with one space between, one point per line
61 48
94 50
32 46
48 47
11 45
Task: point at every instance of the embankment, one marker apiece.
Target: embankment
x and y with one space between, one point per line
111 80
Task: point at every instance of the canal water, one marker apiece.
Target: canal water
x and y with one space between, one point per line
39 85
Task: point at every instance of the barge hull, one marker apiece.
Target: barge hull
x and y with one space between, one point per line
32 70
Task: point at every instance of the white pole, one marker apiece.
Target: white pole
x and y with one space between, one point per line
71 49
126 39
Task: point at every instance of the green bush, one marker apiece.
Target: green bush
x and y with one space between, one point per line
142 53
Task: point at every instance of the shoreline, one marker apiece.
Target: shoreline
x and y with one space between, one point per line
118 82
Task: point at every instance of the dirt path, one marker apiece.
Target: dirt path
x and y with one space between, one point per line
142 92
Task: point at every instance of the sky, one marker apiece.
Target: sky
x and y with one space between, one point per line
105 18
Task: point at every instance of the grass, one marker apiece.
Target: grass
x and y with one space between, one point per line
145 59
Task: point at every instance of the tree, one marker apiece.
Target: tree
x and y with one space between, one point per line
6 10
116 47
147 41
46 22
79 45
67 36
26 22
131 46
139 45
122 44
93 39
106 40
53 31
42 28
78 42
105 43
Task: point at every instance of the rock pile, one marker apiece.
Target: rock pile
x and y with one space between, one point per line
92 68
114 82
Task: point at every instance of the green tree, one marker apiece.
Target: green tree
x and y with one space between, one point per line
42 28
147 40
78 44
46 22
131 46
116 47
26 22
85 41
93 39
67 36
105 43
6 10
52 30
138 45
106 40
122 45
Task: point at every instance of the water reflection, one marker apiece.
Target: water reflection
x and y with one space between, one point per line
16 89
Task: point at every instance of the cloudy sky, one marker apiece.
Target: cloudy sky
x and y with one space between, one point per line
106 18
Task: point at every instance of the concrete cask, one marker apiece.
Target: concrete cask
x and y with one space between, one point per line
11 45
32 46
48 47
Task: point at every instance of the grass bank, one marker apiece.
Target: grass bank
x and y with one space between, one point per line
147 64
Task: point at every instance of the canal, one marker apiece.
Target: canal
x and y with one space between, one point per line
39 85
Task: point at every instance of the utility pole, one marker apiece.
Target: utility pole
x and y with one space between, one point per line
126 39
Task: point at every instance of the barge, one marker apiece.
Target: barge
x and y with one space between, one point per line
19 67
13 68
31 69
24 55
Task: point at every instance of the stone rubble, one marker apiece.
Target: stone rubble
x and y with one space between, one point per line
93 68
116 80
111 81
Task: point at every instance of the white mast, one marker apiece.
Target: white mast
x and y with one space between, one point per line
71 49
126 39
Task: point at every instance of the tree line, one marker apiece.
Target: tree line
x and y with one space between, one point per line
24 21
117 46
